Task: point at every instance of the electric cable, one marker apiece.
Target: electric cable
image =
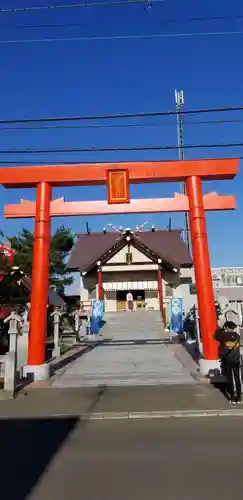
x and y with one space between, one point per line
119 148
119 116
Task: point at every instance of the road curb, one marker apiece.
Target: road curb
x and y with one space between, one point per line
153 415
162 415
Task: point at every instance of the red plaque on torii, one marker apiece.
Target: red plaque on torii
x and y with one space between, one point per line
118 186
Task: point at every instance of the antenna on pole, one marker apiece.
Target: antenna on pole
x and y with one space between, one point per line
179 99
114 228
141 227
169 227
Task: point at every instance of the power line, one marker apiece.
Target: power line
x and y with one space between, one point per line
113 3
76 162
124 125
118 148
124 115
121 37
12 10
213 122
163 22
66 127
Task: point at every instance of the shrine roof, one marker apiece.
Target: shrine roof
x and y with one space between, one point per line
161 244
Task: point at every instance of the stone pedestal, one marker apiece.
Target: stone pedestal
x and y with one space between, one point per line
10 372
22 350
10 362
56 322
37 372
83 328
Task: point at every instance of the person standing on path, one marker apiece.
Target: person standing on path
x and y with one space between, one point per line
229 352
129 300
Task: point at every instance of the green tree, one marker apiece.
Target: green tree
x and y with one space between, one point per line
60 245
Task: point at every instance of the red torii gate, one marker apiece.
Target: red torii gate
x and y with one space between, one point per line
44 177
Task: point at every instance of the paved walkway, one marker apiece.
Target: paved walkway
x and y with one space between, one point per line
36 402
131 354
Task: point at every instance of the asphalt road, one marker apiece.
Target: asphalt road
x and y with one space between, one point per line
66 459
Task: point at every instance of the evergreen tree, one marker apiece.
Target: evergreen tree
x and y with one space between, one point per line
61 244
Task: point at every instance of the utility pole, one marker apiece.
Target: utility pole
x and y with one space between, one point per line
179 98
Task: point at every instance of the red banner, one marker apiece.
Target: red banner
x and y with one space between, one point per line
9 254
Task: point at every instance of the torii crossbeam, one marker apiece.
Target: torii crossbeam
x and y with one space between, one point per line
61 208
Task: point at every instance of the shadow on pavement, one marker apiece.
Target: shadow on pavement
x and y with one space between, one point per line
27 447
56 365
61 363
193 350
111 342
101 391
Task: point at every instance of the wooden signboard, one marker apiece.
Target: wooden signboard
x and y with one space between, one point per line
118 186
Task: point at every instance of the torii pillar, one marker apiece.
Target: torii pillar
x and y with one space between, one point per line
203 276
39 295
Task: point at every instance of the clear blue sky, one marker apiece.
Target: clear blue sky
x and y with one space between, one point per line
125 76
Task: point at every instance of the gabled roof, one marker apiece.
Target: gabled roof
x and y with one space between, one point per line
53 298
168 245
90 248
163 244
24 280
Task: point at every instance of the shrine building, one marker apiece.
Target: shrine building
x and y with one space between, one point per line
152 264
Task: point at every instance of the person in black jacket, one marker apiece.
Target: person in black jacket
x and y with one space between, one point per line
229 353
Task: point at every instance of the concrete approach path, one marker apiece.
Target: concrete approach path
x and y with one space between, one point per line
130 353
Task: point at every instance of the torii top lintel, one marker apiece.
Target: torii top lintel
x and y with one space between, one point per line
139 172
